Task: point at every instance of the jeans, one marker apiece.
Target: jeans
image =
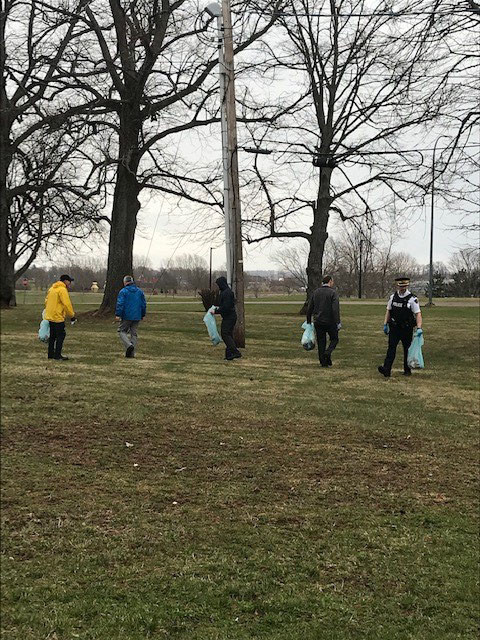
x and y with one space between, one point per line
55 342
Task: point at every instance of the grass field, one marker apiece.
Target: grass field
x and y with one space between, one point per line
260 498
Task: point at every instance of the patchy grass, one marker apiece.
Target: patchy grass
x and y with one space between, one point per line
264 498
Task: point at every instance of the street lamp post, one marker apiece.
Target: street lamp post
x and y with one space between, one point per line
432 212
210 271
360 270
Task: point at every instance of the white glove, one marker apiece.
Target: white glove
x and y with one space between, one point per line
212 310
339 326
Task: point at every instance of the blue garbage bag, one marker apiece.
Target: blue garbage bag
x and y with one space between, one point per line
44 331
211 325
415 355
308 337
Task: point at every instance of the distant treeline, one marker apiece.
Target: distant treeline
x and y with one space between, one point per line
190 274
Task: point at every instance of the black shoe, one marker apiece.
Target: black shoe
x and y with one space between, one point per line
60 358
329 361
407 373
384 372
323 361
230 358
129 351
237 355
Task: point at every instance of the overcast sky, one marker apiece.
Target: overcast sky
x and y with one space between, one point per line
166 243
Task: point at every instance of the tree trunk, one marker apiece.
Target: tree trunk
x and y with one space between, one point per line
319 235
125 209
7 281
8 298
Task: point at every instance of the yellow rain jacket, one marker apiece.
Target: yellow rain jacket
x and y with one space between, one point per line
57 303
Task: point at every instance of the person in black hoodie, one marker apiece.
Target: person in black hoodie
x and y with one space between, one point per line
229 318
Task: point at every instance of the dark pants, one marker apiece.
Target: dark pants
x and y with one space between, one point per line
321 330
55 342
396 335
226 331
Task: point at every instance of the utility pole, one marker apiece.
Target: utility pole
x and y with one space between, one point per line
233 182
225 152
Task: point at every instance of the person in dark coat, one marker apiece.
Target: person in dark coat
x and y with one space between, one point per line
130 309
325 306
229 318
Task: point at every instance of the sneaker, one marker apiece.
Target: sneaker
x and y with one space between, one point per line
407 373
329 361
129 351
60 358
237 355
384 372
230 358
323 361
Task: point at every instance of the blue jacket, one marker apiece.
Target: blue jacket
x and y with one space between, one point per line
131 303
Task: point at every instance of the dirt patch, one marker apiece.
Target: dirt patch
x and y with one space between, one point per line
261 460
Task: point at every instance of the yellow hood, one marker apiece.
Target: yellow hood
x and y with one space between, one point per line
58 305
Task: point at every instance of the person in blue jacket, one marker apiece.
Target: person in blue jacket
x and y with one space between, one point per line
131 308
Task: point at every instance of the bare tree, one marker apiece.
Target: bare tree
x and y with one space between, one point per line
374 82
465 259
457 170
53 201
355 257
144 72
46 190
192 270
292 260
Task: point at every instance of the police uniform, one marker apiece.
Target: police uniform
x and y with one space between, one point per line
403 308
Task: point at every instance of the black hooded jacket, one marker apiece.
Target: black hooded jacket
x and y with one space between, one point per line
227 299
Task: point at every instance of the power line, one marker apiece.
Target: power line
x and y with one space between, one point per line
263 151
390 14
365 153
398 76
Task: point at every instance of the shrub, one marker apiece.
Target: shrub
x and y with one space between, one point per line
209 297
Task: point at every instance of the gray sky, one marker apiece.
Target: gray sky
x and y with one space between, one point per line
167 242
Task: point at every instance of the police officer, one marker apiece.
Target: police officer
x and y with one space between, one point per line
403 314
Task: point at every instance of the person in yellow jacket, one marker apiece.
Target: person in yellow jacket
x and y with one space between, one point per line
58 307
